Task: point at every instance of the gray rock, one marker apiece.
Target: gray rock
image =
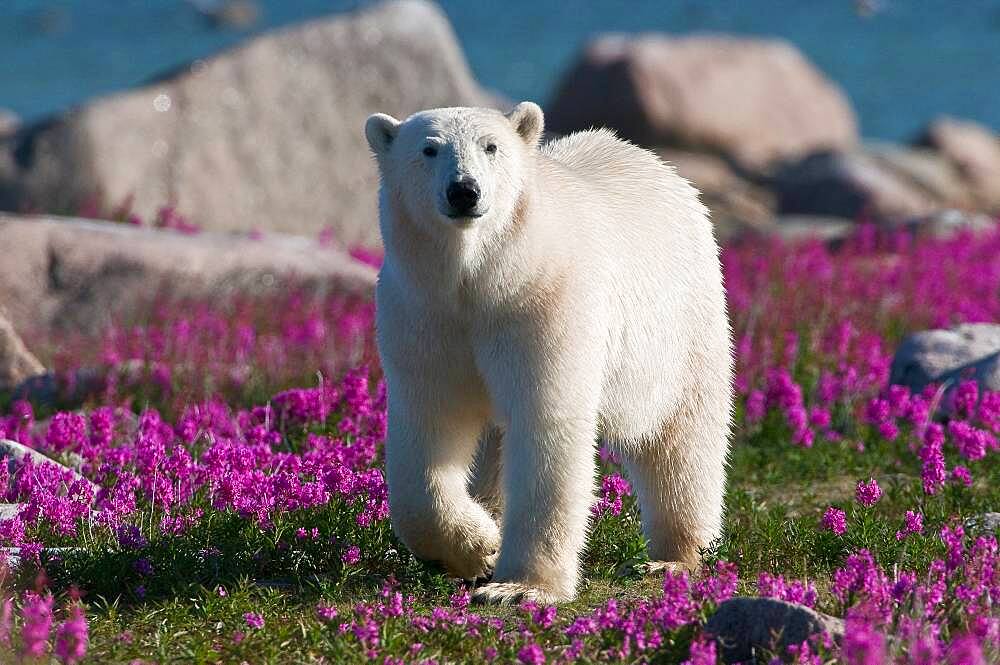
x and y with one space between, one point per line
975 152
746 626
50 389
10 510
15 452
849 185
76 274
803 227
950 221
17 363
9 122
927 170
754 100
12 555
986 522
935 356
267 135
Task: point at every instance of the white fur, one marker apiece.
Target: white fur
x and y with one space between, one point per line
587 301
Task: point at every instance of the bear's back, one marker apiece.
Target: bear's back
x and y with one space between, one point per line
599 156
621 183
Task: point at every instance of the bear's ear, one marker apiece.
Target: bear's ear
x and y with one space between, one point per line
528 122
380 130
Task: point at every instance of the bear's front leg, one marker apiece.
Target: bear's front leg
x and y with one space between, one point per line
429 449
550 405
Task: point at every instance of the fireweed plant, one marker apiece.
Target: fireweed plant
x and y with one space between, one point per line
231 505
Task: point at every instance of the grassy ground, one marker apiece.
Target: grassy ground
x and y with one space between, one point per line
192 607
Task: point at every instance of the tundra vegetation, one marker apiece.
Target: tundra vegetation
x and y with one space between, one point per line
221 497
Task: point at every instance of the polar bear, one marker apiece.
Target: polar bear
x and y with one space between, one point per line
533 299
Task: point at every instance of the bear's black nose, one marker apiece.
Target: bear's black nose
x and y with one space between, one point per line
463 195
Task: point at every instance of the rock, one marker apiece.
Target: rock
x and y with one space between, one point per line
975 152
926 169
738 206
15 452
745 625
848 185
51 389
77 274
10 510
267 135
805 227
948 222
9 122
934 356
11 556
17 364
986 522
752 99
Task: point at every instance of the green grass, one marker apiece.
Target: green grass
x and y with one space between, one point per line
776 495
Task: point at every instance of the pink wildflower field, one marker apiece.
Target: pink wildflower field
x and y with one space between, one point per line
227 503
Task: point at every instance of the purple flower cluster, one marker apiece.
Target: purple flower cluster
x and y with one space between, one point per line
37 617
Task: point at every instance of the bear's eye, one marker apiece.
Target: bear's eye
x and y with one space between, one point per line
431 151
491 148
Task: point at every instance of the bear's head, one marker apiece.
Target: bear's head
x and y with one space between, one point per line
454 169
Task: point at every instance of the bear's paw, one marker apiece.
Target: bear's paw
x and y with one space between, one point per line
509 593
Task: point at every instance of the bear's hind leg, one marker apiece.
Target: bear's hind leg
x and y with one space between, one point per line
679 478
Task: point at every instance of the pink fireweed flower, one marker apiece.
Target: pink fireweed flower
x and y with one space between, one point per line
835 520
961 474
771 586
352 555
254 620
989 410
326 612
820 417
863 643
966 398
531 654
966 650
37 617
720 585
72 637
702 652
972 443
756 406
868 494
613 489
954 540
913 523
932 456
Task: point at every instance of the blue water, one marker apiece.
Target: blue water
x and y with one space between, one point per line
909 62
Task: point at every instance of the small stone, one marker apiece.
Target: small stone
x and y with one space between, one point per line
10 510
971 350
743 626
12 555
15 452
986 522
